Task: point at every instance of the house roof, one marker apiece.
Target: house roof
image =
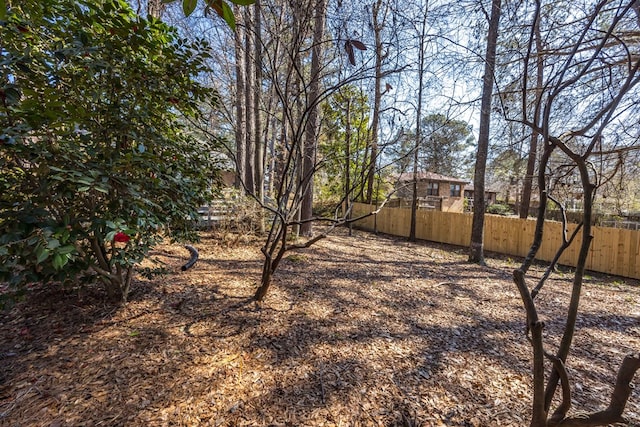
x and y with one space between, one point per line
430 176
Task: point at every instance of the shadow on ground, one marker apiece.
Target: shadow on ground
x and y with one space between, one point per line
355 331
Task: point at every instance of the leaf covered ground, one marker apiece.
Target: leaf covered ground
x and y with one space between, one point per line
356 331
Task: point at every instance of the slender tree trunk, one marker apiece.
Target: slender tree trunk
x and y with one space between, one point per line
273 159
378 25
532 157
347 164
279 164
421 66
298 109
527 183
539 410
414 197
311 125
476 252
274 250
572 312
240 128
259 138
156 8
249 95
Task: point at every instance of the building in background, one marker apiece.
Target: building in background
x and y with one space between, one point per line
435 191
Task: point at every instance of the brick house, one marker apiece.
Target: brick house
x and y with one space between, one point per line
435 191
490 196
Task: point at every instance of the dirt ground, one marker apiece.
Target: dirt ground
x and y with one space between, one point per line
356 331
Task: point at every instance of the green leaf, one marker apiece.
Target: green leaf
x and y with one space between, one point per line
224 11
41 254
64 250
12 95
243 2
227 15
85 180
59 261
188 6
53 243
3 9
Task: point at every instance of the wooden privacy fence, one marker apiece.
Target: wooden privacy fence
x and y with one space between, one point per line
613 250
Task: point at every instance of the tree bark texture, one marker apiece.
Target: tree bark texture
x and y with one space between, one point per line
378 24
421 66
240 129
156 8
619 397
532 155
576 292
476 250
259 138
347 165
249 96
311 125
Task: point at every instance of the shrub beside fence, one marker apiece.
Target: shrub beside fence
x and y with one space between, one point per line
613 250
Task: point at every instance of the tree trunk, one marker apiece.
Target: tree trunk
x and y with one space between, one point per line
476 252
311 125
156 8
421 66
297 113
240 103
265 280
576 292
375 120
273 251
347 164
527 183
249 95
414 198
259 138
539 409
